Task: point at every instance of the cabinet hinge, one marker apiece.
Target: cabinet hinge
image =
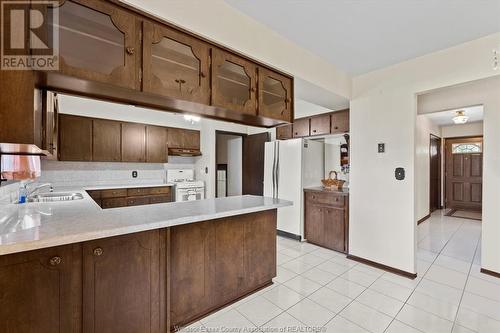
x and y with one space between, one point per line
140 75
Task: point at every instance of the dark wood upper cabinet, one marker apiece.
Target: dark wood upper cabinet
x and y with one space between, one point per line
320 125
133 142
75 138
179 139
106 141
233 82
191 139
284 132
121 279
175 64
40 291
156 144
98 41
275 95
340 122
301 127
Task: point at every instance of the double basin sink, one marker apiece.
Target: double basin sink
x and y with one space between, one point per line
55 196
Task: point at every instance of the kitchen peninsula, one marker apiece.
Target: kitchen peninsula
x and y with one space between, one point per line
74 267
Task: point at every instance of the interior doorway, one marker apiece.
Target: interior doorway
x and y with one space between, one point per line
435 173
239 163
464 173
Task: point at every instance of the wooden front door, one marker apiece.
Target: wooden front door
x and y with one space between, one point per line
435 173
464 173
253 163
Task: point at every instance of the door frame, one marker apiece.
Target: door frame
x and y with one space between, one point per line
217 132
440 172
445 206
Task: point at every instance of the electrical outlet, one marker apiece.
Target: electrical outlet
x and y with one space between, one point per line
381 147
134 174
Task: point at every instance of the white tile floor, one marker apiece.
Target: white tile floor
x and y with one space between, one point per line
321 288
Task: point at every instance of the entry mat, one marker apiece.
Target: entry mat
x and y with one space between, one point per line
465 214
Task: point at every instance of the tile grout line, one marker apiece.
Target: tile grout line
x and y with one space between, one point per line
465 286
423 275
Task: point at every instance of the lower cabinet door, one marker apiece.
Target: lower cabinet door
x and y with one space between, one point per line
40 291
314 224
229 259
334 229
191 271
121 284
260 248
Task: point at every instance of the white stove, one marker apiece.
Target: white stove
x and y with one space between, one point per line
186 187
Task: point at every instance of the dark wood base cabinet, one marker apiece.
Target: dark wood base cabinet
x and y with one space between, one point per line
327 219
153 281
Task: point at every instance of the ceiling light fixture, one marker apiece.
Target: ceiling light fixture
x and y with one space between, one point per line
460 117
191 118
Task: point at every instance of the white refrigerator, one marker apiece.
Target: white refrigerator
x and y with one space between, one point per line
289 167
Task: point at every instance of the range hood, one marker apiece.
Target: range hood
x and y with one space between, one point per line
183 152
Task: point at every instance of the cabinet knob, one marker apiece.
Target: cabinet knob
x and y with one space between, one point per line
202 74
54 261
252 89
130 50
314 131
336 127
177 81
183 81
98 251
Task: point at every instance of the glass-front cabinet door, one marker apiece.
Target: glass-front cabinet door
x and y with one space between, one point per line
97 41
233 82
175 64
275 100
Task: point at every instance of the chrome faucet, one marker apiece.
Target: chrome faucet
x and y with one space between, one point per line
31 192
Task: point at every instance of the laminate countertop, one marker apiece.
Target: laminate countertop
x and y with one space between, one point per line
344 191
34 226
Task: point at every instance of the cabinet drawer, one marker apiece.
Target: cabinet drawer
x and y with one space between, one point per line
114 193
159 190
137 201
330 199
159 199
113 202
131 192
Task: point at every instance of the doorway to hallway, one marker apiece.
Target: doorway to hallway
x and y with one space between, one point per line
464 175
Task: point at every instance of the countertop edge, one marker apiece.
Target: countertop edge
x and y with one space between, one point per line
6 249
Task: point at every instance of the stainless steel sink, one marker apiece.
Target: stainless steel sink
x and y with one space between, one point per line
55 196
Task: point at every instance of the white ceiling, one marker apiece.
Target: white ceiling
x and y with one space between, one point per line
360 36
309 92
443 118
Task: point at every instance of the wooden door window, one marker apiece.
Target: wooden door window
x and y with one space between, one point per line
96 41
274 95
175 64
233 83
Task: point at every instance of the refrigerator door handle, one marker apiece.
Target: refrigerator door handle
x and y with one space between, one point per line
278 172
274 170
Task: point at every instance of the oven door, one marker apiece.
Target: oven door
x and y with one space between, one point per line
189 194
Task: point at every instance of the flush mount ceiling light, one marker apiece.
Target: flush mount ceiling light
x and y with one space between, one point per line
460 117
191 118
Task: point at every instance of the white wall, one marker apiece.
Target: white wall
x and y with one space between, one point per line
219 22
471 129
383 109
305 109
234 166
425 127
